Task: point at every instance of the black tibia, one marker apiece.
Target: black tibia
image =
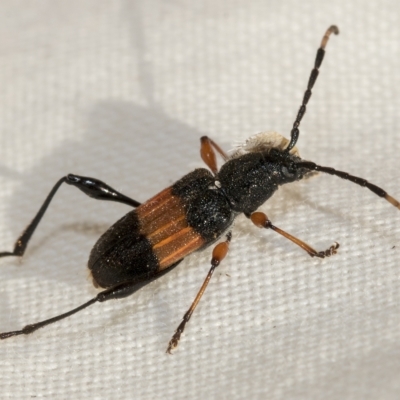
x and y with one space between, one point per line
355 179
116 292
34 327
313 77
219 253
261 220
91 187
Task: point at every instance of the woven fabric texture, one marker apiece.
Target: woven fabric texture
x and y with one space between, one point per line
122 91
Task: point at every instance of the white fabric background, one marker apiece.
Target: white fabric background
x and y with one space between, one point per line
122 91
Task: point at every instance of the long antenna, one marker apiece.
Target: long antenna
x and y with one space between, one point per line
294 134
355 179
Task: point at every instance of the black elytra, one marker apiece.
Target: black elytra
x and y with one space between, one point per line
192 214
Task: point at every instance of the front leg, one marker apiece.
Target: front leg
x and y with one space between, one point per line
208 154
261 220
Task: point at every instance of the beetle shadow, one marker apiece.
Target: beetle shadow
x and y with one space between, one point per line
117 148
73 212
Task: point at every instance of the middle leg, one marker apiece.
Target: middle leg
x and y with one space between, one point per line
219 253
208 154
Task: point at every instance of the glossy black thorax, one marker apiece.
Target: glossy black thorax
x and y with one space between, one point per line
207 209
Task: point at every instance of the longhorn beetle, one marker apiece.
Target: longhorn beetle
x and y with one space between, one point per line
192 214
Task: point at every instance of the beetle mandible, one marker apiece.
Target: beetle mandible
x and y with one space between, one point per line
193 213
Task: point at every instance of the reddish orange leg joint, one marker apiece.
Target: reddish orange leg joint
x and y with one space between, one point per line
219 253
208 154
260 220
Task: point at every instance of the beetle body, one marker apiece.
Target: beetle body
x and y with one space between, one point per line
159 233
193 213
190 215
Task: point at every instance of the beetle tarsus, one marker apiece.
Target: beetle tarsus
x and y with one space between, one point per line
329 252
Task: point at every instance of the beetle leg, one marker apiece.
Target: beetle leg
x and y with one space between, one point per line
90 186
208 154
261 220
117 292
219 253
